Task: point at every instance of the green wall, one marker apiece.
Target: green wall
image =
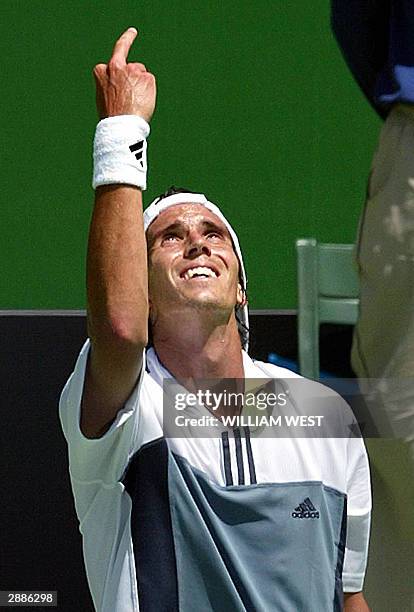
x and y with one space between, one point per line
255 108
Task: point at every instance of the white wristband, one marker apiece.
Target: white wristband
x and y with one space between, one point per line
120 151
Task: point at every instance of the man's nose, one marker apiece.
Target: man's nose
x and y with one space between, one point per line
197 245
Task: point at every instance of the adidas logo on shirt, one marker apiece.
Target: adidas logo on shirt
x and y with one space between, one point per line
306 510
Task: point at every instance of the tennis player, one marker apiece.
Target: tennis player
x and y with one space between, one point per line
234 521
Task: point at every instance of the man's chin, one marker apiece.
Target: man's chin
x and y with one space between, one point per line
204 303
203 300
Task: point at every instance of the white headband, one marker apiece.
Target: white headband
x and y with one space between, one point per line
159 205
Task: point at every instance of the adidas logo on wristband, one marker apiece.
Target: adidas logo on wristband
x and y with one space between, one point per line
139 150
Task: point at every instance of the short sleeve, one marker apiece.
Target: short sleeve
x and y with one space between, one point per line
103 459
359 515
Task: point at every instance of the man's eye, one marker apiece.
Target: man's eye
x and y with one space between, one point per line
214 235
170 237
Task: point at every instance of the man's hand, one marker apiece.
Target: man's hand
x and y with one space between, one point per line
121 88
355 602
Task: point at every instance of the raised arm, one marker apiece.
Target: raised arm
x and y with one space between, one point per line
117 256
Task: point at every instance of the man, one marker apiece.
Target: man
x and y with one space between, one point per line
376 39
225 522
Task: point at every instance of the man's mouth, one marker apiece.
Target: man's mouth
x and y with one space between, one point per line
199 272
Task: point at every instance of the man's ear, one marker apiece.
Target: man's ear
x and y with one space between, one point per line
241 296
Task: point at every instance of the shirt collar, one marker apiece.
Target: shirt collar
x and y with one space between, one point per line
158 371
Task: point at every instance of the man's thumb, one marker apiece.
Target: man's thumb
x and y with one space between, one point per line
99 72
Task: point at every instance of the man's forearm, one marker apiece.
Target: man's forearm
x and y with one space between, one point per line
117 284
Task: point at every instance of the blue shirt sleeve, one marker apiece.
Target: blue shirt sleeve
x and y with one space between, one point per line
362 30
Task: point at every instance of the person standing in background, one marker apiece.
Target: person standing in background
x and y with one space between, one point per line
376 38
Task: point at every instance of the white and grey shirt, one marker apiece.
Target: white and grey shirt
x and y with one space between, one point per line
231 522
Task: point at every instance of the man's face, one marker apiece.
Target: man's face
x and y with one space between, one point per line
191 261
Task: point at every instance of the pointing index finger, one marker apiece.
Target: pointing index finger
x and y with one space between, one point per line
123 45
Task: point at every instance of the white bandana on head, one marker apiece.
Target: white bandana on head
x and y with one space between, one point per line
159 205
